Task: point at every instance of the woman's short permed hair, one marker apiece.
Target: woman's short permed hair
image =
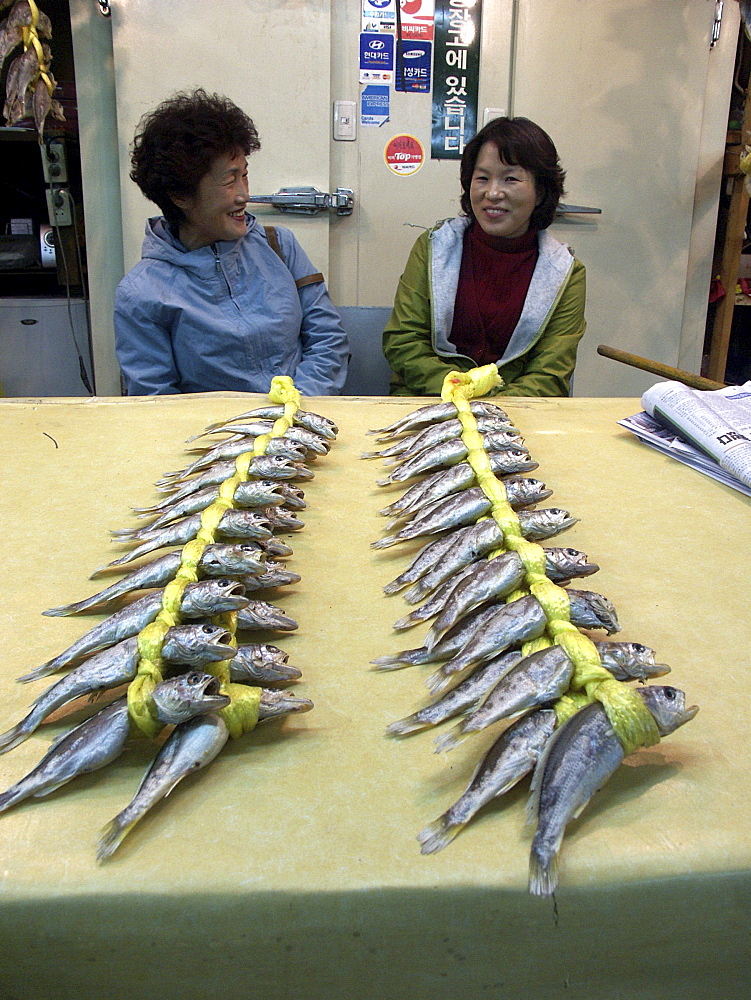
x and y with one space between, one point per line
520 143
176 144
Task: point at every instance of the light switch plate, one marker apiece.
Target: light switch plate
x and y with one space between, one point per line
345 121
488 114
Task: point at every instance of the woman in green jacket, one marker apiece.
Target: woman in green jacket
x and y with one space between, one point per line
492 285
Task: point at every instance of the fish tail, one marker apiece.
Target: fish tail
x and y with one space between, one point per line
451 740
394 587
370 454
391 662
432 638
404 726
392 508
112 835
416 593
437 682
384 543
438 834
42 671
543 872
63 609
13 795
386 481
15 736
407 622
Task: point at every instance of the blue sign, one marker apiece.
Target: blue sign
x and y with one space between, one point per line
374 105
413 66
376 56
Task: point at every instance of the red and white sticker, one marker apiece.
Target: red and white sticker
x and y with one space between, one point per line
404 155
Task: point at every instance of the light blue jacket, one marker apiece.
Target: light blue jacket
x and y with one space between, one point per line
226 316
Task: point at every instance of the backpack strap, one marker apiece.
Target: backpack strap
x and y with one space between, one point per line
310 279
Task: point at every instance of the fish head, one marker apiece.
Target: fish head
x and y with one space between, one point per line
599 611
211 597
557 519
274 704
276 547
273 467
251 523
197 644
324 426
280 517
187 695
232 560
628 661
570 563
668 707
293 496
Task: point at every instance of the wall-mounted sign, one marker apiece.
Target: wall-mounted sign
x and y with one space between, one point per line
455 74
404 155
378 15
414 59
374 105
416 17
376 57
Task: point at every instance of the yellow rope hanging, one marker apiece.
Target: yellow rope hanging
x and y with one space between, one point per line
632 722
241 715
30 37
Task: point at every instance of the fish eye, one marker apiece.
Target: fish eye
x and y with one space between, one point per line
670 693
638 648
207 629
571 552
193 677
224 582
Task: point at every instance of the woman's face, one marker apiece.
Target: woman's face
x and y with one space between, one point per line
217 210
503 197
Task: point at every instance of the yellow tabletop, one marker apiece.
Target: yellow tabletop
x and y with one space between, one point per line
290 868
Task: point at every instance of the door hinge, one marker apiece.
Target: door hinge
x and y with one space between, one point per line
717 23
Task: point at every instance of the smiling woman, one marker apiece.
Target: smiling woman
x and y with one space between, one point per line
217 302
492 285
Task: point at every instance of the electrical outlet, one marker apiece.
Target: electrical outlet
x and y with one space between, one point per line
54 164
58 207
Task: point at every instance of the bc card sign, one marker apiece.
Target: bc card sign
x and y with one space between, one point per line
455 74
376 57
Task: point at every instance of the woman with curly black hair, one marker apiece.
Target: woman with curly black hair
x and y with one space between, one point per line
492 285
217 301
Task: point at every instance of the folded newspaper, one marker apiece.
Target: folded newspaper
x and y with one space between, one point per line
708 430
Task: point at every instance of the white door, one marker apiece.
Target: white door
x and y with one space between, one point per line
620 86
271 58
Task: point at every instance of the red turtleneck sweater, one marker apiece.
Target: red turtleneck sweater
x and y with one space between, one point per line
493 282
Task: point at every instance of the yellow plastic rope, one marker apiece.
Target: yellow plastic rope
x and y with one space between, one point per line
29 37
241 715
632 722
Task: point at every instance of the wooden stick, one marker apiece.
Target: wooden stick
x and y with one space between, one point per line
656 368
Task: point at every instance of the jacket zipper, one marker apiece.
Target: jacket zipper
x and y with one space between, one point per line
220 269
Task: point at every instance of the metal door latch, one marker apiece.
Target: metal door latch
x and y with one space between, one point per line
308 200
576 210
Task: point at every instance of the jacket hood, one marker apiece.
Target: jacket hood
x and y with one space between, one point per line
554 265
160 243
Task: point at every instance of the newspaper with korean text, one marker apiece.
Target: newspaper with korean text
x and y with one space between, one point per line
708 430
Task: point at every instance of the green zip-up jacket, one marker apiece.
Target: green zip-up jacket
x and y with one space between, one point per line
540 357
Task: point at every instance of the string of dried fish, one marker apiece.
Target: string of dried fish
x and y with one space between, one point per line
222 689
556 670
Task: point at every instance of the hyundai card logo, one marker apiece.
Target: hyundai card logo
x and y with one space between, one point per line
379 3
376 44
413 54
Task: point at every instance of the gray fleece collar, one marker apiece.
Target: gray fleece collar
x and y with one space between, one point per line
554 265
